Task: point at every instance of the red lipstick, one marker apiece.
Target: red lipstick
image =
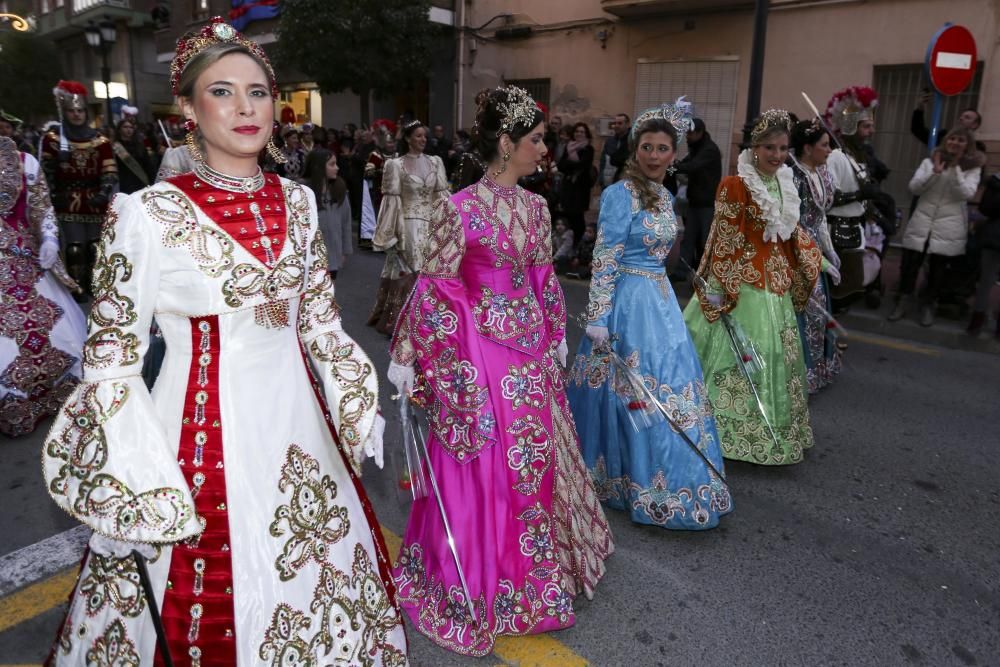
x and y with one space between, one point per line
247 129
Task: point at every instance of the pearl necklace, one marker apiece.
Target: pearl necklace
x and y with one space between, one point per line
229 183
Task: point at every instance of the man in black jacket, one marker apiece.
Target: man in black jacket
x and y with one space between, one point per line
703 168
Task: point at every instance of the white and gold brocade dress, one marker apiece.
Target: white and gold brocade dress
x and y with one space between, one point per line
234 468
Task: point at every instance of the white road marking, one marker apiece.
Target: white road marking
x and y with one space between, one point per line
42 559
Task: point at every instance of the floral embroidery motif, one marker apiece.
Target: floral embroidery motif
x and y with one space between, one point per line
83 448
211 248
112 582
462 427
602 286
524 385
530 455
349 367
657 501
513 322
113 648
110 344
342 604
312 518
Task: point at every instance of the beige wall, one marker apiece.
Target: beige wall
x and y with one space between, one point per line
818 49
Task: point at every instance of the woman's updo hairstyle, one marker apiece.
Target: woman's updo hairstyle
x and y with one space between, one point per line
648 193
508 110
806 133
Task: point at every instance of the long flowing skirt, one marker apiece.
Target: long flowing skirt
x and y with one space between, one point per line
42 330
529 531
651 472
819 339
745 433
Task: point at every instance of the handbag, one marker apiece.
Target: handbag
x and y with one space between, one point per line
845 233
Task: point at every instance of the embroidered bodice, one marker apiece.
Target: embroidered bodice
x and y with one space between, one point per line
815 188
629 237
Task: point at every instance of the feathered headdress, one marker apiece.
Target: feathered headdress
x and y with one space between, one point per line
850 106
680 114
70 95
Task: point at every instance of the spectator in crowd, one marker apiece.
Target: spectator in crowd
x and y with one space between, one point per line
135 170
551 138
563 251
580 265
333 207
968 118
9 126
988 237
295 155
439 144
703 168
576 167
938 228
364 144
615 151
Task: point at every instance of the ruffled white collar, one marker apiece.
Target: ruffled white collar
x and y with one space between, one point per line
781 216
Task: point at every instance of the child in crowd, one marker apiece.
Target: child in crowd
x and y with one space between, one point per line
562 245
579 266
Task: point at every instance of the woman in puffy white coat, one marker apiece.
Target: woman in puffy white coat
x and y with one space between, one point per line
939 226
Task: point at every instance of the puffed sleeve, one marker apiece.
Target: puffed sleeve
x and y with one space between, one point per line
176 161
807 261
106 460
544 281
443 255
390 212
612 232
344 370
43 216
727 261
441 189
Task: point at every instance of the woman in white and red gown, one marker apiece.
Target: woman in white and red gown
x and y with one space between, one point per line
238 477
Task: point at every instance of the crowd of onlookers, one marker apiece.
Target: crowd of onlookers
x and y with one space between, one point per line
965 270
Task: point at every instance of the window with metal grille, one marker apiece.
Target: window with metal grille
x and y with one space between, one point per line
539 89
899 88
710 85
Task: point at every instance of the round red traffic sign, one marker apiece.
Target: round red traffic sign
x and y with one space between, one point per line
951 59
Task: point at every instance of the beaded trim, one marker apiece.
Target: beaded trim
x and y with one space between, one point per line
229 183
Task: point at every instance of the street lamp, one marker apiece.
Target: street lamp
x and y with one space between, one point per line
102 37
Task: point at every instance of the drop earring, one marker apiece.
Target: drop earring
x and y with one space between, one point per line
503 167
274 151
191 141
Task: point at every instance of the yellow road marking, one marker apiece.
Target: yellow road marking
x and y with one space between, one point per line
529 651
36 599
536 651
893 344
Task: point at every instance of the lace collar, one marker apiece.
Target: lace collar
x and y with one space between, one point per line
781 216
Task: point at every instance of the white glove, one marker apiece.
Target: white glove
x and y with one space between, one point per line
110 547
562 352
373 445
834 274
401 377
715 299
597 335
48 253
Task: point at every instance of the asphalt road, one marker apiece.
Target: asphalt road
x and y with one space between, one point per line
880 549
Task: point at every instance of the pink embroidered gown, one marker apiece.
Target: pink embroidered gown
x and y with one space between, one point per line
482 326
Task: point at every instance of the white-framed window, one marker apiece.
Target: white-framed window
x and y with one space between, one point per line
710 85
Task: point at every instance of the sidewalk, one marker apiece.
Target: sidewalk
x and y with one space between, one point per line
944 332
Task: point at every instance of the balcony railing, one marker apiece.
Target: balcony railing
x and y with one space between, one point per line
643 8
80 6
